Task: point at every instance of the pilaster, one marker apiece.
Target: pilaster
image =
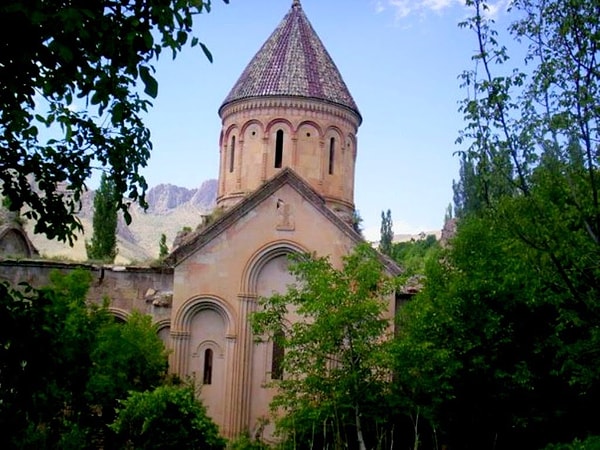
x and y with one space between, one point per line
241 383
180 340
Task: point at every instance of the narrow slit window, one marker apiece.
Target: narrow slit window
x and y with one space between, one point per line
278 149
208 366
277 357
232 154
331 155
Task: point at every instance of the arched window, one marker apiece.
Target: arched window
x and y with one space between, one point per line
331 154
278 149
232 154
277 357
208 366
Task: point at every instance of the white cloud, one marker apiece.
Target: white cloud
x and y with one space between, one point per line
405 8
438 5
495 8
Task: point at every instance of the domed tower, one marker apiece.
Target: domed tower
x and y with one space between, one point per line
290 108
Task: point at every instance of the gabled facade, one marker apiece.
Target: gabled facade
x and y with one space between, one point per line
220 272
286 185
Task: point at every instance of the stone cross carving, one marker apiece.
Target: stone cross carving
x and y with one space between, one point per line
285 216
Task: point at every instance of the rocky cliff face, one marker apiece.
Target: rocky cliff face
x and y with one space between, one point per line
164 198
170 208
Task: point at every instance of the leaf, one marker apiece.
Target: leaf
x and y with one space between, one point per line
150 83
206 52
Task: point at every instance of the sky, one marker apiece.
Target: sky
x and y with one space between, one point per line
400 59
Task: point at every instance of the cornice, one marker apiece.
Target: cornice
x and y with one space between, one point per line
305 104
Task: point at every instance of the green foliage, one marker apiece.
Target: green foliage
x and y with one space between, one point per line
491 350
62 362
448 215
465 344
118 367
357 221
591 443
168 417
413 255
103 246
46 339
244 442
334 364
524 263
163 249
387 233
69 99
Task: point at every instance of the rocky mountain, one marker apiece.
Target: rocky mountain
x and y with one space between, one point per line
170 208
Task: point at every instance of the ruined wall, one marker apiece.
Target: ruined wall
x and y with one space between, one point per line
146 289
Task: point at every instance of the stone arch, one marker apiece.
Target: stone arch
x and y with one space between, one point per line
333 130
333 154
279 121
163 330
118 313
261 257
249 123
231 149
266 272
211 343
313 124
280 146
193 305
252 146
208 324
308 159
232 129
14 242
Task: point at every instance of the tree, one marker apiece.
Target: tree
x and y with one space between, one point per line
413 255
335 372
63 361
68 100
515 298
163 249
448 215
533 135
127 357
168 417
387 233
103 246
47 336
477 349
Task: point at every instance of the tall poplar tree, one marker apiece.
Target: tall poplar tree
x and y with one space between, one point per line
387 233
500 350
103 245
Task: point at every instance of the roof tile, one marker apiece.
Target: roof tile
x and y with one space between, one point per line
293 62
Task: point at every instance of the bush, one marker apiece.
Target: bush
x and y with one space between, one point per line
169 417
245 442
591 443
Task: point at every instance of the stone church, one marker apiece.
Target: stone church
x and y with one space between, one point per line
286 184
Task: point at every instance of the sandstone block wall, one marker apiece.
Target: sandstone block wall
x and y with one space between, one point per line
146 289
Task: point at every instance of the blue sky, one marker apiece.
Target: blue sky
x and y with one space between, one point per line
400 59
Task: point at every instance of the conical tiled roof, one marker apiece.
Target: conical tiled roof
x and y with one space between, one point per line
293 62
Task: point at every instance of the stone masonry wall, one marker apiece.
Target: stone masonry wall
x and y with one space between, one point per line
146 289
